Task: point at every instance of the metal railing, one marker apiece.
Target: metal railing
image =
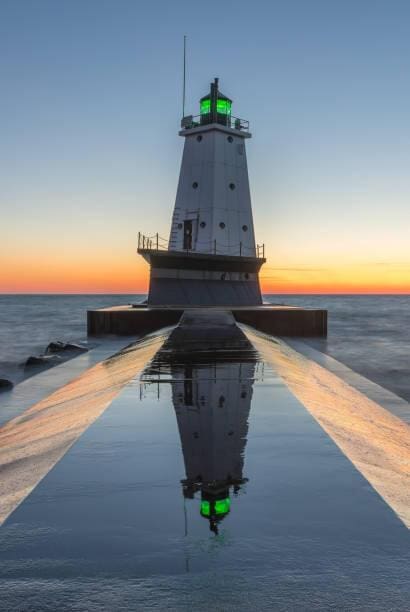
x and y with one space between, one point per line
234 123
210 247
152 243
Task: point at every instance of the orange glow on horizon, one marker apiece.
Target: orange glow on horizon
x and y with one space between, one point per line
117 273
337 278
334 290
131 283
84 275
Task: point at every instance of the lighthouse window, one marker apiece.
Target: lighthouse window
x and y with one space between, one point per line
205 106
202 224
232 186
195 185
230 139
199 138
223 106
245 228
222 225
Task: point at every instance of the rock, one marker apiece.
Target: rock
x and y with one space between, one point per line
55 347
42 360
60 347
5 385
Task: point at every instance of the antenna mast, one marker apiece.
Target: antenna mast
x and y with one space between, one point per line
184 79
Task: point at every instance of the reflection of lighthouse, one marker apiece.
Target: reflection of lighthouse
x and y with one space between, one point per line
212 404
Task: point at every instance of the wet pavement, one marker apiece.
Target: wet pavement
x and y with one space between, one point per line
205 484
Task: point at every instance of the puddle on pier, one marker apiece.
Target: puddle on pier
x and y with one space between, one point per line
206 483
212 401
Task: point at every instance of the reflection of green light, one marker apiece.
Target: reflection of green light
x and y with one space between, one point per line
223 106
222 506
205 106
205 508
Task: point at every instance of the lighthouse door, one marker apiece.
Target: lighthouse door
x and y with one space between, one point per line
188 235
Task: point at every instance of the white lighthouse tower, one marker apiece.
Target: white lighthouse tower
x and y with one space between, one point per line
211 257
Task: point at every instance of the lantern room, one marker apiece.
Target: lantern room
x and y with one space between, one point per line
215 107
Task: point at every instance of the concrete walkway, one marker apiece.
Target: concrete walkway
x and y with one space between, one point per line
33 442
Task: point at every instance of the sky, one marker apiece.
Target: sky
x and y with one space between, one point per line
90 108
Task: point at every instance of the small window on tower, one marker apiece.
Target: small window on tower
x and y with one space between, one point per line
202 224
222 225
245 228
179 225
230 139
232 186
195 185
199 138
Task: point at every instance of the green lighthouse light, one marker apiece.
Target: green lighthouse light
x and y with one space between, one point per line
205 106
223 107
215 107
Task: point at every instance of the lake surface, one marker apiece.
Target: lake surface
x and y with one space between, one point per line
204 485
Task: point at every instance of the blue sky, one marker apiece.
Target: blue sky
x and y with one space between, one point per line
91 104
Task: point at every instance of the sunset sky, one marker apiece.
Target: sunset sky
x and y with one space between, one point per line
89 147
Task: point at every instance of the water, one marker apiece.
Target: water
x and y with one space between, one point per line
29 322
205 485
370 334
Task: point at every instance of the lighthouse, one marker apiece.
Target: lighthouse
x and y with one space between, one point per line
211 257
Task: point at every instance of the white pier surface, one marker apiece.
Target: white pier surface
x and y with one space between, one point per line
315 519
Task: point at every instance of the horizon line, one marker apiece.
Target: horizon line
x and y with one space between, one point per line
290 293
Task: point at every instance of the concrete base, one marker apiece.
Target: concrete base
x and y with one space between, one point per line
275 320
206 330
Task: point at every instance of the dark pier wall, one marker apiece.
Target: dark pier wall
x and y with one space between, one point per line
285 322
129 321
274 320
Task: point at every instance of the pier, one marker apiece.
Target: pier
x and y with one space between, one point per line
183 476
277 320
